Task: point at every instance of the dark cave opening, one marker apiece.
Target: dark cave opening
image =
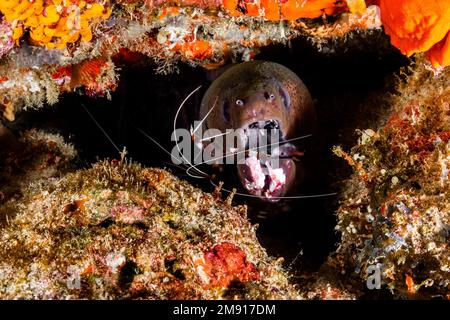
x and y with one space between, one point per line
341 82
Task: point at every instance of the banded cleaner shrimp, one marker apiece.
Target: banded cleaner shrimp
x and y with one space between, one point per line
187 165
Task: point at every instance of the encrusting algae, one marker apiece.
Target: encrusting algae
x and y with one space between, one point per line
118 230
395 213
43 36
43 40
6 38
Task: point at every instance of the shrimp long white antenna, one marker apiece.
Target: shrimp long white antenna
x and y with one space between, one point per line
174 166
215 136
260 197
165 150
243 151
102 130
229 191
275 198
194 166
200 123
251 149
198 171
154 141
204 118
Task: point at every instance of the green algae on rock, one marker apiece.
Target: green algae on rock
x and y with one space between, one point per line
118 230
395 211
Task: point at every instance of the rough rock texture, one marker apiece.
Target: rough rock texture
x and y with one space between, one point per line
33 156
67 45
118 230
395 213
56 46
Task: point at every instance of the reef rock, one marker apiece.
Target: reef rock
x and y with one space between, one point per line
118 230
395 213
51 47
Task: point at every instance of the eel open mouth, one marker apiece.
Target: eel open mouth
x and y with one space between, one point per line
268 169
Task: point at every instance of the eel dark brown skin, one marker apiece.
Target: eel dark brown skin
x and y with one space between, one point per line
265 95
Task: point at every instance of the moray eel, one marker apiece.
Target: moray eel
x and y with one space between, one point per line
264 95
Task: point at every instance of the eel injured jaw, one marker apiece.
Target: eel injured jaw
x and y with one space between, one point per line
268 170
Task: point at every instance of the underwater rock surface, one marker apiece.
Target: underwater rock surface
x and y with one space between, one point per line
395 213
51 47
118 230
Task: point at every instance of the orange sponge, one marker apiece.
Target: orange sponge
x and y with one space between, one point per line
419 26
283 9
54 23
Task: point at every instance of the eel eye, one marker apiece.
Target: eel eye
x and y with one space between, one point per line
239 102
285 97
226 111
269 96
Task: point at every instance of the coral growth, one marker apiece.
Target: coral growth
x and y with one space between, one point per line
55 23
396 213
32 87
419 26
97 76
6 37
226 263
118 230
288 9
33 156
64 42
66 34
